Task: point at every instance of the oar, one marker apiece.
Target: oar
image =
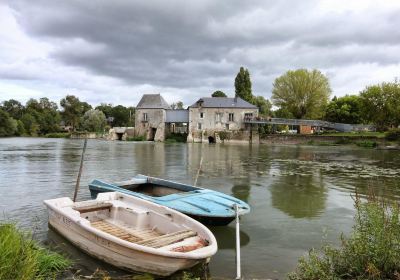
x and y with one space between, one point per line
80 171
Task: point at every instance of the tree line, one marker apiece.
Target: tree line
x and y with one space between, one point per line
41 117
305 94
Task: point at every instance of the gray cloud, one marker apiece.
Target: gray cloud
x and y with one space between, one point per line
198 46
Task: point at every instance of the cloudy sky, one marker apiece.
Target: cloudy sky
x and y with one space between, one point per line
114 51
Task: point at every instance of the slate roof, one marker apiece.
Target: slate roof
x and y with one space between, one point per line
223 102
152 101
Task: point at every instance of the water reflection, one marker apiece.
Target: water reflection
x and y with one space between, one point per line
226 237
299 196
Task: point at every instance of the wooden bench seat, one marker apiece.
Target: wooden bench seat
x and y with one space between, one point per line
92 208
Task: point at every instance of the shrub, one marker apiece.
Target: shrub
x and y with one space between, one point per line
393 134
371 252
367 144
176 137
58 135
22 258
136 138
224 135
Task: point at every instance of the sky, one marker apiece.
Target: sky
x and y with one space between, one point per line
115 51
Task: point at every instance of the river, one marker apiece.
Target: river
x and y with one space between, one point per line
300 195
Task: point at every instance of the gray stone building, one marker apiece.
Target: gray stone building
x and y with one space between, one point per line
204 121
210 116
150 117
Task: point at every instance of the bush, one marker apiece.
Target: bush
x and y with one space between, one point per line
22 258
58 135
367 144
136 138
393 134
176 137
371 252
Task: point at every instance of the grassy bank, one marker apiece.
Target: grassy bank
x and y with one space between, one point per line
356 134
22 258
370 252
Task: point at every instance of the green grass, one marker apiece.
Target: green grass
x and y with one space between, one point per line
356 134
22 258
370 252
367 144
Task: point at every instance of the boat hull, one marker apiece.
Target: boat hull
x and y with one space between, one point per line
209 207
115 254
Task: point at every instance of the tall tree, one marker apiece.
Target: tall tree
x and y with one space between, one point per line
14 108
218 93
94 121
302 92
243 85
264 105
177 106
8 126
381 104
122 115
346 109
73 110
106 109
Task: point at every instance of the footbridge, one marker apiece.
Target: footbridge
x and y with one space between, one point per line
342 127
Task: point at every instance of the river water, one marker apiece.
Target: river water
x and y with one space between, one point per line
300 195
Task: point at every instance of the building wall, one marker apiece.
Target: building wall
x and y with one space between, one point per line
154 127
210 125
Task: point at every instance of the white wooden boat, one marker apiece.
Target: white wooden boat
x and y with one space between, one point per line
132 233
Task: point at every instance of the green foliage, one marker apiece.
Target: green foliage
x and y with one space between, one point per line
73 109
264 105
371 251
224 135
303 93
23 258
176 137
177 106
30 124
243 85
136 138
367 144
8 126
381 105
58 135
218 93
123 116
94 121
393 134
346 109
344 141
13 107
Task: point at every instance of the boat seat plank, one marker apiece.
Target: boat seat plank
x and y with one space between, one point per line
167 239
92 208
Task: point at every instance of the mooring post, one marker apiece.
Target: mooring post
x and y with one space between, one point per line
198 171
238 270
80 171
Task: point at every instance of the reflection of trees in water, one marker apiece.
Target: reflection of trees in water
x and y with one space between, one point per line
241 191
299 196
226 237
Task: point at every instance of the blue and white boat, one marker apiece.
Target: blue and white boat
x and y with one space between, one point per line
205 205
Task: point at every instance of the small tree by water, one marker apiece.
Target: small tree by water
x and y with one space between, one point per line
371 252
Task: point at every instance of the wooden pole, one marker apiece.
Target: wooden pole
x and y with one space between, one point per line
238 269
198 171
80 171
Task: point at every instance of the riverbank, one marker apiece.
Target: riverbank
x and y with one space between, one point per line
329 140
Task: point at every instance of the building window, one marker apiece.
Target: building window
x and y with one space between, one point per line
145 117
201 115
218 117
248 116
227 126
231 117
199 126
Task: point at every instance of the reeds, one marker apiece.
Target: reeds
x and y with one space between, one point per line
22 258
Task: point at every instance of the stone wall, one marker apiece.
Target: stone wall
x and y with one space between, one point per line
154 127
211 126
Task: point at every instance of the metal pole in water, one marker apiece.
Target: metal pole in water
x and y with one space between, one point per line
238 270
80 171
198 171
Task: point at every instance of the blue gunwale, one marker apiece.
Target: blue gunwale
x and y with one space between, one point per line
208 206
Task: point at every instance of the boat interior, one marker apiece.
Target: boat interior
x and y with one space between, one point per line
142 227
150 189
